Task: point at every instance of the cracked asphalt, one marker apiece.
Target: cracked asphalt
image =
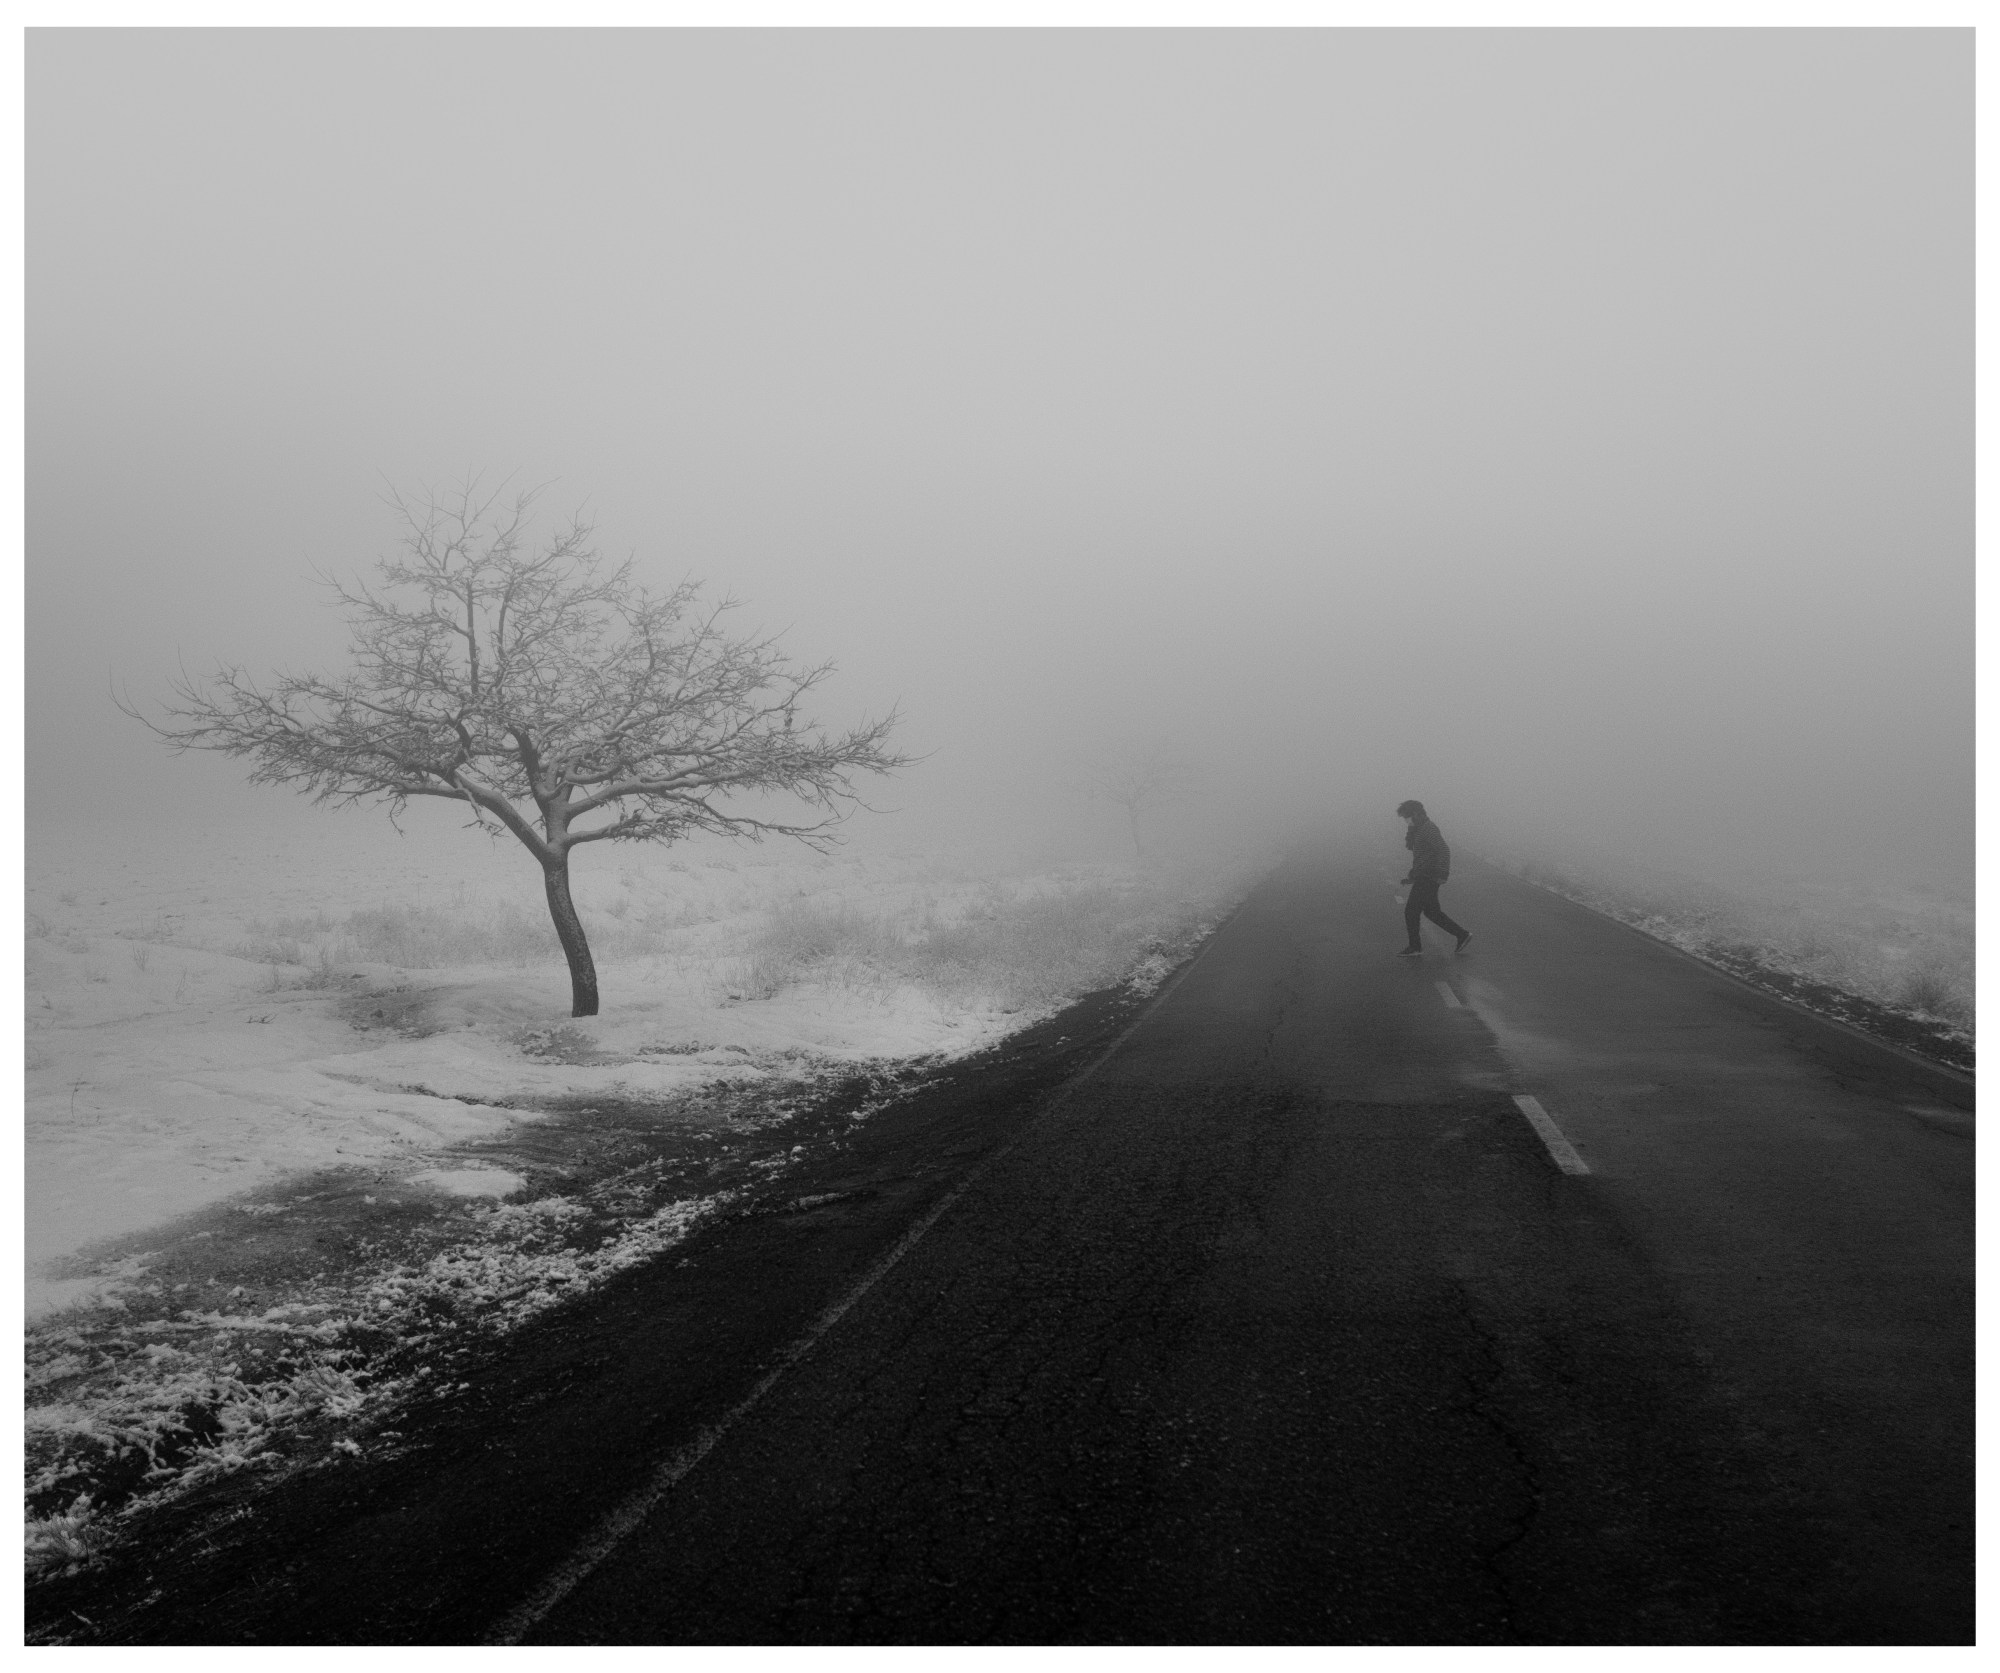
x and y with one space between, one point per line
1284 1328
1257 1316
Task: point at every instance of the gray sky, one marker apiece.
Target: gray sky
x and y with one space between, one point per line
1562 427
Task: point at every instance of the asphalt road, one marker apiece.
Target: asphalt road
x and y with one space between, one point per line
1275 1322
1286 1328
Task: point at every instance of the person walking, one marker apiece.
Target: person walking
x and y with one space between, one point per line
1430 865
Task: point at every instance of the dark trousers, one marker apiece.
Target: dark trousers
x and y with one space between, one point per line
1423 903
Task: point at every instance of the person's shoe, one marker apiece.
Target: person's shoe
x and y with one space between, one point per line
1411 952
1464 941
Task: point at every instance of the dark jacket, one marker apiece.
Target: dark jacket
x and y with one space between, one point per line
1430 858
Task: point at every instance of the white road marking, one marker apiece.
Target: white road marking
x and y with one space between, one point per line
1450 998
1551 1135
616 1528
624 1521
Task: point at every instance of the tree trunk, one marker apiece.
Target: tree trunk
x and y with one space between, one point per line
569 931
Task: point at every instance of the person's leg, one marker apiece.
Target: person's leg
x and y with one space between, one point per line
1435 913
1422 898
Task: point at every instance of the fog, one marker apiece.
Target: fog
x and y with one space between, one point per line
1570 429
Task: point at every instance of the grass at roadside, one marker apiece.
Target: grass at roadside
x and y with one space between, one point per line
1017 944
1905 952
1018 951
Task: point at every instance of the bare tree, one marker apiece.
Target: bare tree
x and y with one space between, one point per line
1141 785
556 697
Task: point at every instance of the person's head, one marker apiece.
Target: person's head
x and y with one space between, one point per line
1411 810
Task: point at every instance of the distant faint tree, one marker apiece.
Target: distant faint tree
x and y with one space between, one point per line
1141 784
554 696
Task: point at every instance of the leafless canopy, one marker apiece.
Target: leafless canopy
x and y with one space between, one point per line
550 693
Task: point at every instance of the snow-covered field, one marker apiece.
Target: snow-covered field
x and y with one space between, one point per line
328 1021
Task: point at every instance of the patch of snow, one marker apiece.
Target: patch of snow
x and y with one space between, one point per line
210 1012
49 1295
471 1182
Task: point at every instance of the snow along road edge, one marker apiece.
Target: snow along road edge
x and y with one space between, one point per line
626 1519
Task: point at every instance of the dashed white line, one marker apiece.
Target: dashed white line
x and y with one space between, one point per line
1551 1135
1450 998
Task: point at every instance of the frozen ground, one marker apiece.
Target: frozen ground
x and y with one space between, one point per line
247 1048
206 1013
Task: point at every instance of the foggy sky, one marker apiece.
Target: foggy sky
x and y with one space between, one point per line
1571 429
